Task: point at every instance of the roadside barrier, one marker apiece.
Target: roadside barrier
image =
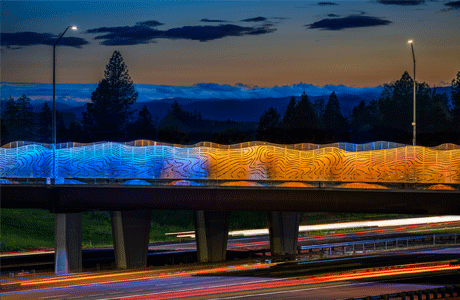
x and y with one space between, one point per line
395 243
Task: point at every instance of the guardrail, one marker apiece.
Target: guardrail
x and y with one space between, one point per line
382 244
447 292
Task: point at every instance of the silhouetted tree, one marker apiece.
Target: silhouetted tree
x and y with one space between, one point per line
333 119
3 132
305 117
288 121
25 119
45 124
10 121
395 105
108 113
143 127
455 98
365 121
269 125
172 134
229 136
319 108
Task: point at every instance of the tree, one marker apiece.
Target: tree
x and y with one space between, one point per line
10 121
108 113
25 119
365 121
268 125
305 117
45 122
288 121
319 108
455 99
333 119
396 106
143 127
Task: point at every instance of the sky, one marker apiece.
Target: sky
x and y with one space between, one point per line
245 44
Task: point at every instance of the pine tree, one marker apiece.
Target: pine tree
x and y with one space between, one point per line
455 98
395 104
11 113
305 117
319 108
268 125
144 127
333 118
108 113
25 119
288 121
45 124
10 121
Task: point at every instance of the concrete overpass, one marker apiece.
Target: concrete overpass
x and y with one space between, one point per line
212 180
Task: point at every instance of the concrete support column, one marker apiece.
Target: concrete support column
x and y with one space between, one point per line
284 232
131 231
211 234
67 241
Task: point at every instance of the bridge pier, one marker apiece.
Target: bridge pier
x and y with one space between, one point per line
211 234
131 231
67 241
284 232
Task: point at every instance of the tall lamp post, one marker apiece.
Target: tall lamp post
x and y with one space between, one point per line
54 97
411 42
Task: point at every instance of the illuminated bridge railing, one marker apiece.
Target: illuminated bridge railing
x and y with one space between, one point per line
378 162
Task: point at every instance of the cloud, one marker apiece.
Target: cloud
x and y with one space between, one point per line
453 4
126 35
152 23
140 34
401 2
75 94
333 15
348 22
35 38
258 19
213 21
326 3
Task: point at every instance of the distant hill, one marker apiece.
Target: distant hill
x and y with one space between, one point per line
223 109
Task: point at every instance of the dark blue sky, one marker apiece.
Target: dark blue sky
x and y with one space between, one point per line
255 43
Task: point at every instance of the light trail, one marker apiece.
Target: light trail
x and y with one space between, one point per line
360 274
35 282
359 224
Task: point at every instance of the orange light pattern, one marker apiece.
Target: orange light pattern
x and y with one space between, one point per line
274 162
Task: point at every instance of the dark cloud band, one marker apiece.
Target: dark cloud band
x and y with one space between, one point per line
348 22
139 34
401 2
453 4
326 3
213 21
258 19
34 38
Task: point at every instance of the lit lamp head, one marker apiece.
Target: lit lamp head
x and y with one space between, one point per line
410 41
74 27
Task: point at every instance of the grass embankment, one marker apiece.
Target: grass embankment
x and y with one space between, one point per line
34 228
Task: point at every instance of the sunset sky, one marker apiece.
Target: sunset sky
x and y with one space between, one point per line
253 43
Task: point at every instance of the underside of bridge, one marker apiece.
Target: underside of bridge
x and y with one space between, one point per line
131 237
131 208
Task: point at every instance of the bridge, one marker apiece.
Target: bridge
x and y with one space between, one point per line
130 179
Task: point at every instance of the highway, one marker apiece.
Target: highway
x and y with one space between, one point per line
237 247
334 278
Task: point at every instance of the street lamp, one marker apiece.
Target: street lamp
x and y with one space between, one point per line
54 97
411 42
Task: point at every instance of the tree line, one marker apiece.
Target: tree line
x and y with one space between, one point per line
387 118
109 117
